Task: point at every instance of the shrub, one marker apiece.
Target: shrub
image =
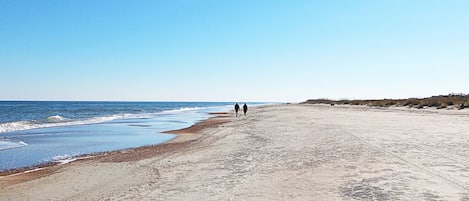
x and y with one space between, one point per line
434 104
439 102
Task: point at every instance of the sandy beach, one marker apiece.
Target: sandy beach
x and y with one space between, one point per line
277 152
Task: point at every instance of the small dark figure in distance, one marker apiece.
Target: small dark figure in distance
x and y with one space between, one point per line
245 109
332 104
236 109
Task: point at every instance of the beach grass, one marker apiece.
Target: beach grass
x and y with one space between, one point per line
438 102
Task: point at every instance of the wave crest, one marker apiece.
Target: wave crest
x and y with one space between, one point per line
54 121
56 118
7 144
184 109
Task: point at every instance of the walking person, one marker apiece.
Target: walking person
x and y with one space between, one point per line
245 109
236 109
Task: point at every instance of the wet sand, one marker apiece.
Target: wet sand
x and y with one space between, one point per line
185 137
279 152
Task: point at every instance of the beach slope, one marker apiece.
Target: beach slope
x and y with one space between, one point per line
282 152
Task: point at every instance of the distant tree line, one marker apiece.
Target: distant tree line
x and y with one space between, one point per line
459 101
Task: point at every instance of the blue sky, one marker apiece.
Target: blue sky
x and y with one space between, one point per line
262 50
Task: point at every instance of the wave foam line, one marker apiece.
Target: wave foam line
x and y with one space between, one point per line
57 120
6 144
185 109
27 125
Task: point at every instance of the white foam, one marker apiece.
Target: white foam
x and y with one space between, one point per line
186 109
13 126
61 157
60 121
7 144
64 159
56 118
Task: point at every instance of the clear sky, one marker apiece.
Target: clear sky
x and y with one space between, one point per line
243 50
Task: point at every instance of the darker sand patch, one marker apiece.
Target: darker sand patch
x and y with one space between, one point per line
21 175
136 154
221 118
220 114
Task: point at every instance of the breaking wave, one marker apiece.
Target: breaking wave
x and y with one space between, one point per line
54 121
57 120
7 144
185 109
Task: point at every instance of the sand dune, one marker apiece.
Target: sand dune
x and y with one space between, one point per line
281 152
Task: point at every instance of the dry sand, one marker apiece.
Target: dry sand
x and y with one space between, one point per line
280 152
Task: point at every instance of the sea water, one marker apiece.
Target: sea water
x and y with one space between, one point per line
36 132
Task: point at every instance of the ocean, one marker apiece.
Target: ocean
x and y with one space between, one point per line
37 132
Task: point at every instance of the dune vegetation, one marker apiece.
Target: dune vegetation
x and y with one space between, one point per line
460 101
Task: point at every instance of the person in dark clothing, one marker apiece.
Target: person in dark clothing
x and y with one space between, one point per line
236 109
245 109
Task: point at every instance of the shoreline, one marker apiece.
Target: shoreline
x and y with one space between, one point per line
185 137
281 152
